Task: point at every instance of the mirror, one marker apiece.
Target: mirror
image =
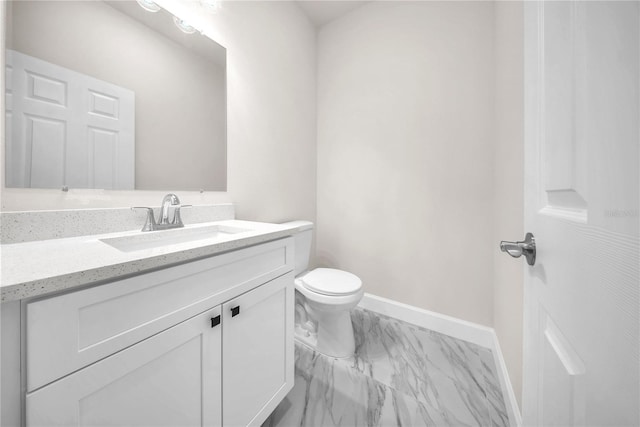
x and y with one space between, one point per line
105 94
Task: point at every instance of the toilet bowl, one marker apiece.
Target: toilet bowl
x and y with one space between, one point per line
324 299
329 295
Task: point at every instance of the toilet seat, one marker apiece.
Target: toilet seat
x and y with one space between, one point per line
331 282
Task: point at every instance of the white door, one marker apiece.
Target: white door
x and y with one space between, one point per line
581 363
257 352
66 128
170 379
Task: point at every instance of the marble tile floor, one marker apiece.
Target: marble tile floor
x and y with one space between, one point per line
401 375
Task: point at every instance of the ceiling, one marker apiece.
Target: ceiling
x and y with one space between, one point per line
324 11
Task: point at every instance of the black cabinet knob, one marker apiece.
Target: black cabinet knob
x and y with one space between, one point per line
215 321
235 311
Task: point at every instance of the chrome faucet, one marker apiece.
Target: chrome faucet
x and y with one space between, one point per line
168 202
170 207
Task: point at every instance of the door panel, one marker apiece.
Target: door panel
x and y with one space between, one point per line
102 147
561 374
45 146
562 174
582 358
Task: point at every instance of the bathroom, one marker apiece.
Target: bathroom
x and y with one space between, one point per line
401 130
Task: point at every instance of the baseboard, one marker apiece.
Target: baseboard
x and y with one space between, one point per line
505 383
456 328
461 329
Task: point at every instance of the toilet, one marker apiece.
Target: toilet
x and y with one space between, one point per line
324 299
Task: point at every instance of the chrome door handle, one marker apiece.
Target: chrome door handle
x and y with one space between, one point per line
516 249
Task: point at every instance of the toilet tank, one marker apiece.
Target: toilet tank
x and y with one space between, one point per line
303 245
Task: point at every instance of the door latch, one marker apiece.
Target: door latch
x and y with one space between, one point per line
516 249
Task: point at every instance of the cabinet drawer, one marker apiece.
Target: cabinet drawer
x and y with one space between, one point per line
65 333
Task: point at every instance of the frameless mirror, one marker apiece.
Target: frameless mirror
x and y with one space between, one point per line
105 94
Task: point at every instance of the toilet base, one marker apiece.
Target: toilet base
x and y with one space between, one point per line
335 335
323 322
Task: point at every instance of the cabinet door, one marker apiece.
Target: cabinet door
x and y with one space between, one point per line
170 379
257 352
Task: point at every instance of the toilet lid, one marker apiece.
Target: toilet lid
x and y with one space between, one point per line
329 281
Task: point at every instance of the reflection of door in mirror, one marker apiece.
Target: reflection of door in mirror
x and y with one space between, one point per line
105 48
67 128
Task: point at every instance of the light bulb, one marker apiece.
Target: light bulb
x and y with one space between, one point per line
149 5
183 26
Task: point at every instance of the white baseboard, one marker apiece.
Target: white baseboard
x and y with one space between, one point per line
461 329
505 382
456 328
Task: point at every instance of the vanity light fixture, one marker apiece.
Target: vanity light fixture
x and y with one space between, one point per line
184 26
149 5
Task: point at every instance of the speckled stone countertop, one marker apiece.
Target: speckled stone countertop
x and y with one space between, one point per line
37 268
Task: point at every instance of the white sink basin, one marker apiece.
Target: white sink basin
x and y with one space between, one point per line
158 239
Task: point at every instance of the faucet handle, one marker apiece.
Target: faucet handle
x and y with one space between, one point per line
150 223
177 219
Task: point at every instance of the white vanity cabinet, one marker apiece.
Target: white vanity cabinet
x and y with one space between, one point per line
208 342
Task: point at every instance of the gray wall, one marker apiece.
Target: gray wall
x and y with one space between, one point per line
405 153
272 109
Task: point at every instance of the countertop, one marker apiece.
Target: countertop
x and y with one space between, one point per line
41 267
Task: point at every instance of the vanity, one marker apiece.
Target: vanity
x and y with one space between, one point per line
193 333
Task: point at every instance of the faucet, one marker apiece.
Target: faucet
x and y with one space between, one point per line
169 201
170 204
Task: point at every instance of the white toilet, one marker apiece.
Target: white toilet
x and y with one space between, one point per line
324 298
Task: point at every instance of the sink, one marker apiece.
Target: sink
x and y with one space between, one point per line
158 239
